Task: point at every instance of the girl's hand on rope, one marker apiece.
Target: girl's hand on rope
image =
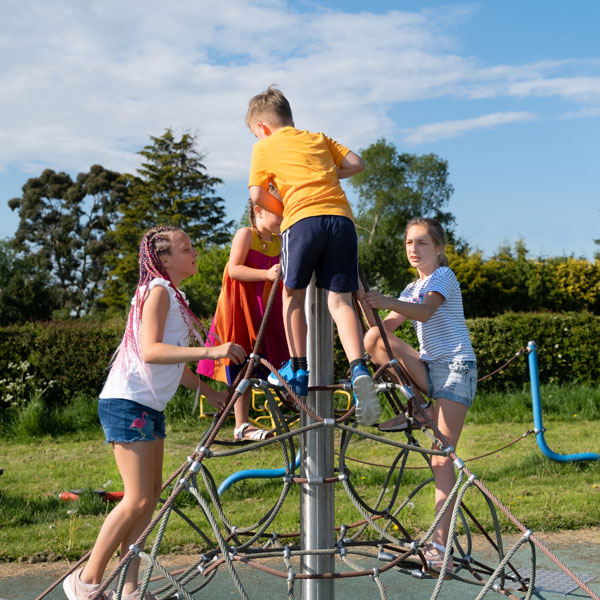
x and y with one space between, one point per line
218 399
375 299
272 273
233 352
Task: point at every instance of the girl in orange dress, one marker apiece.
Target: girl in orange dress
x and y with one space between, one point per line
247 282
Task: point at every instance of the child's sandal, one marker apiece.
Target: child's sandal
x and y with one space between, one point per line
241 433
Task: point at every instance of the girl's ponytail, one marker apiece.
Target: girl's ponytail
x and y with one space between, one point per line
252 216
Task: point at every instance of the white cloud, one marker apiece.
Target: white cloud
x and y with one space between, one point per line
449 129
585 90
584 113
88 82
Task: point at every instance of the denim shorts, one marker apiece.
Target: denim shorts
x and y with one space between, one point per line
325 245
127 421
456 381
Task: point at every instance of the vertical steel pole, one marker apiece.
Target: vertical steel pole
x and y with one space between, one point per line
316 499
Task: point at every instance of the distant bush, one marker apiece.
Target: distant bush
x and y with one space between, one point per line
567 345
511 281
74 355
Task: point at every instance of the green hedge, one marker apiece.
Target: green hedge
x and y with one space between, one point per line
76 354
73 354
567 344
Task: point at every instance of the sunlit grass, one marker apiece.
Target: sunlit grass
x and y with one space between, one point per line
543 494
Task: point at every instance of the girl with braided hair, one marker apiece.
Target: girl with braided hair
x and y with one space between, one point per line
247 282
148 367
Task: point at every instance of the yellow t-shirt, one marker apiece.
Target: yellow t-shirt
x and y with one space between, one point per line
301 165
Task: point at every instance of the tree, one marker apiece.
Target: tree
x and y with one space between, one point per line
393 189
203 289
171 188
65 224
26 293
507 281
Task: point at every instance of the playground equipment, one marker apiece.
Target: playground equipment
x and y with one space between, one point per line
389 551
536 402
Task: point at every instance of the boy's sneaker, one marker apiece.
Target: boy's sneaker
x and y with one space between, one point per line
368 408
297 380
75 590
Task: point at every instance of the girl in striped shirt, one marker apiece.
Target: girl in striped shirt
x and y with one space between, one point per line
444 367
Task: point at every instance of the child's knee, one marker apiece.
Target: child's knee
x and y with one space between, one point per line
372 339
441 463
338 301
139 506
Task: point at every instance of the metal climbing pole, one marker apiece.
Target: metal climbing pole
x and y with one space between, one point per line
317 499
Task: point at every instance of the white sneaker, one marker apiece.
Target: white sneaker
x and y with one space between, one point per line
76 590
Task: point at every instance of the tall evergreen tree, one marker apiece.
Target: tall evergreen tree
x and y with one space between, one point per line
171 188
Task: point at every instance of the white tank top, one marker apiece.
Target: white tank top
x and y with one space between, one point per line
127 382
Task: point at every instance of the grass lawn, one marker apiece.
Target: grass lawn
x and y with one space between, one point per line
544 495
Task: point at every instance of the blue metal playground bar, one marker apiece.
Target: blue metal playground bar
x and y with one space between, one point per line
254 474
537 415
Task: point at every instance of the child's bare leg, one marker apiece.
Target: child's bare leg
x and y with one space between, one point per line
140 466
154 472
294 320
407 356
347 323
449 418
242 408
349 329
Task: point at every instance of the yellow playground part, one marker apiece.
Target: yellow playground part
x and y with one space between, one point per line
342 401
261 416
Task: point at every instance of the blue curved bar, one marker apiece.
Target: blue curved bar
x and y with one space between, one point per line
254 474
537 415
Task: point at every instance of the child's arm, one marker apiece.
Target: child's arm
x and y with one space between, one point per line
237 257
417 312
154 350
393 321
351 165
261 196
193 382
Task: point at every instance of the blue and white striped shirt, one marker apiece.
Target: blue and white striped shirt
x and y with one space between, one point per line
445 336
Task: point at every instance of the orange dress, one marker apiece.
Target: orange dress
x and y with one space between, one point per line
240 311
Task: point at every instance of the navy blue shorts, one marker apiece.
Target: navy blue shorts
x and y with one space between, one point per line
127 421
232 371
325 245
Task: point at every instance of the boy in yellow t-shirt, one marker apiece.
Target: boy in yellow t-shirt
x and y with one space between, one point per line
318 235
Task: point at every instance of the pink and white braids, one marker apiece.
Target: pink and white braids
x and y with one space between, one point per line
156 242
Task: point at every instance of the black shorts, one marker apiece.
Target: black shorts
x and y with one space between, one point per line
325 245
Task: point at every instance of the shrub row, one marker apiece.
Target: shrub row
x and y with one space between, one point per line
76 354
567 346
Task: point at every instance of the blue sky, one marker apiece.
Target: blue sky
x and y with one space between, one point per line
507 91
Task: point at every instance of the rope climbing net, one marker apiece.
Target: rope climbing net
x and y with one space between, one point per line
379 542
